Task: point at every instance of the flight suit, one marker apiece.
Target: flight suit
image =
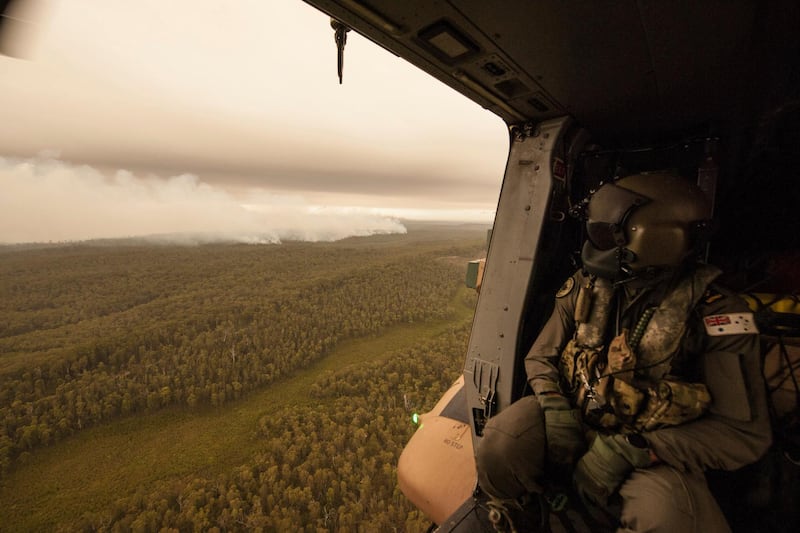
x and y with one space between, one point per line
671 494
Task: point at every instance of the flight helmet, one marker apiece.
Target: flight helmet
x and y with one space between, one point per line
644 225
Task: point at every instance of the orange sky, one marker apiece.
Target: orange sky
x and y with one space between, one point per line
244 98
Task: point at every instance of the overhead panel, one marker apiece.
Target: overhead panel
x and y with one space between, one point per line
438 38
447 42
639 66
589 57
624 68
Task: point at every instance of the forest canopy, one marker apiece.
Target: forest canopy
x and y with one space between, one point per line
94 334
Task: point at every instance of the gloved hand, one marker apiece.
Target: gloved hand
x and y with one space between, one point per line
606 466
565 441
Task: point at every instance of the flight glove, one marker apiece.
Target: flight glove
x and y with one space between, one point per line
606 465
565 441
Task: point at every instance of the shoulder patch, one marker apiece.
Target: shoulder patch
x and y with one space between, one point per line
566 288
730 324
712 295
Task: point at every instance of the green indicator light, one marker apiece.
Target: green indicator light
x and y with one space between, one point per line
415 418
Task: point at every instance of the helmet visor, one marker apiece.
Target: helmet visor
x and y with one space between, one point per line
604 235
606 214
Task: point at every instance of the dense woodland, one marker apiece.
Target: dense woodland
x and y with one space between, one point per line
331 467
90 334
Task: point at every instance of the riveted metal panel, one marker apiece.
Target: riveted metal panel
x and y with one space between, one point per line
521 214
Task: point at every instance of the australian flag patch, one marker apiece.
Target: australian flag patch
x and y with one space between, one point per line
730 324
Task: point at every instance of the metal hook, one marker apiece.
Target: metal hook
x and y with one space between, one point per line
340 35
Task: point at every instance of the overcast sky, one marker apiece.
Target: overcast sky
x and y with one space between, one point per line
141 117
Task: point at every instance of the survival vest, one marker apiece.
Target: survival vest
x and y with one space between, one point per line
625 385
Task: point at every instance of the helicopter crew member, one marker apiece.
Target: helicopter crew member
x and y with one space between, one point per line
646 374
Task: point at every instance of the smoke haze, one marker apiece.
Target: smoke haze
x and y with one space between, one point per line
227 119
45 199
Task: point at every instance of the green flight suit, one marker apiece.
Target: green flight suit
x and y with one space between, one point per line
671 495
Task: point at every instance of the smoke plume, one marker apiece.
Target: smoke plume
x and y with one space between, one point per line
45 199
